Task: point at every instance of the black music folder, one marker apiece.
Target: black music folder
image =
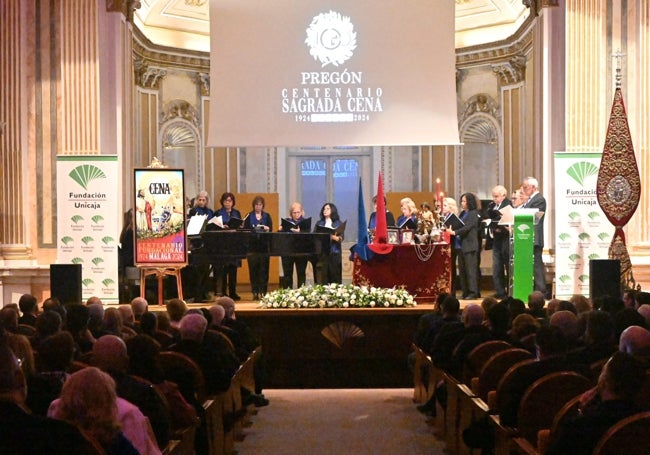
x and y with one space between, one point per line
304 224
454 222
328 230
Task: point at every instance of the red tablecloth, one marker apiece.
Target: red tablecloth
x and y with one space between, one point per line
423 277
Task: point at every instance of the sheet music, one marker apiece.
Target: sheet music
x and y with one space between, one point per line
195 226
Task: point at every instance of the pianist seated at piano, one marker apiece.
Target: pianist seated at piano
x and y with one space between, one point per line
226 276
258 265
293 224
329 268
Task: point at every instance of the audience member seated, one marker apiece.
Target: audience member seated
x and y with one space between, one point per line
642 298
644 310
19 344
176 309
608 303
47 323
54 304
475 332
248 342
536 304
498 320
164 325
248 337
205 351
635 340
95 318
23 433
110 355
515 306
88 400
218 313
144 362
427 321
451 346
77 325
139 306
450 315
551 349
149 326
599 339
627 317
601 407
128 318
112 325
580 303
29 308
524 328
567 321
552 306
54 358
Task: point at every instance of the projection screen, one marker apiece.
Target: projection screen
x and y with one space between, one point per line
332 73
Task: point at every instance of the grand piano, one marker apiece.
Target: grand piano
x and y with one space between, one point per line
214 246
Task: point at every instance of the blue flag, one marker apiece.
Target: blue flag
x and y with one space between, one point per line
361 248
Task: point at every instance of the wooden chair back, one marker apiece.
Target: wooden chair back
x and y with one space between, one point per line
496 367
629 436
186 373
545 398
479 356
420 374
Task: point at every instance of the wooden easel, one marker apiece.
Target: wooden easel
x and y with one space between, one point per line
160 272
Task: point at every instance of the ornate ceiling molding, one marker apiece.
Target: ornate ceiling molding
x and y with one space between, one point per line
499 51
512 71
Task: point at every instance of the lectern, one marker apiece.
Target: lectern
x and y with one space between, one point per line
521 224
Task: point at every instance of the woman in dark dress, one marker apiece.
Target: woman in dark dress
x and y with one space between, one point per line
329 268
467 240
258 265
226 275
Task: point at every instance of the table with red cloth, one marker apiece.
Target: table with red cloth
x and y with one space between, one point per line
424 270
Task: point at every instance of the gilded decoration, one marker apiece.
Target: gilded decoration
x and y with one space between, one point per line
618 250
203 79
180 109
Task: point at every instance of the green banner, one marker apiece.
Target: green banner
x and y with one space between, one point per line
523 244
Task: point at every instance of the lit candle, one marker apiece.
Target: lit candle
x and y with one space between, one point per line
438 192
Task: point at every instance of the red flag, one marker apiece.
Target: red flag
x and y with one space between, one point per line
380 243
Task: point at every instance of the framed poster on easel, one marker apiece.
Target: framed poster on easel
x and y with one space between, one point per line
160 237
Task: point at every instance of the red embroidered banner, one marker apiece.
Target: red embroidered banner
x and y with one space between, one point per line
619 185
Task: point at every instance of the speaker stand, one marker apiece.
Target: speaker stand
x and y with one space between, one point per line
160 273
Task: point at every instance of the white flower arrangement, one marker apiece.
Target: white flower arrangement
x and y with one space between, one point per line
337 296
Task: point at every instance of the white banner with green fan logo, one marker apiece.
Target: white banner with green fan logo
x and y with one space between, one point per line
582 232
89 221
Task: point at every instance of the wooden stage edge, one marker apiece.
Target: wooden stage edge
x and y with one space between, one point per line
332 347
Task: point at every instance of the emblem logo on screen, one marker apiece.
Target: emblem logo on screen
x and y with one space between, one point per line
331 38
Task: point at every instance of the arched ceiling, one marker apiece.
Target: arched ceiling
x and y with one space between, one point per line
185 24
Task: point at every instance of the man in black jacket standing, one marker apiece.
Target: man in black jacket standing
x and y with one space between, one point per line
500 241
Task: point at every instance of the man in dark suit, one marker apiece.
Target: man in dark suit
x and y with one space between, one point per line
536 201
500 241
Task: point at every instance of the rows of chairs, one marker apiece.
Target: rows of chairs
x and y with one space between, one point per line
473 401
224 414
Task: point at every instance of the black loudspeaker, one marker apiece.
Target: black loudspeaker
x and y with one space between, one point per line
65 283
604 278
